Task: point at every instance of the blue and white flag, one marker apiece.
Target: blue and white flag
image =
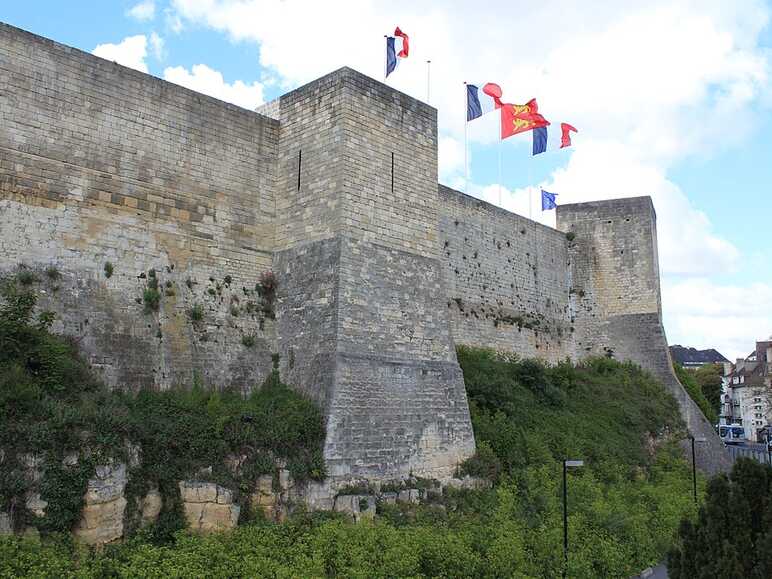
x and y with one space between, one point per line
548 200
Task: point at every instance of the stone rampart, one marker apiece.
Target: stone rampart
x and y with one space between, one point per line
103 164
144 214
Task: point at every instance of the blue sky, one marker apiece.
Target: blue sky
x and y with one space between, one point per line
671 98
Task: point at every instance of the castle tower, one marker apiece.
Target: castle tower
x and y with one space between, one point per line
615 272
359 327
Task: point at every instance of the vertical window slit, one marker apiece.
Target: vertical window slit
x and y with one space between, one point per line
392 171
300 161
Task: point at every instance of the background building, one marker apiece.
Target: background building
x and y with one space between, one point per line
748 400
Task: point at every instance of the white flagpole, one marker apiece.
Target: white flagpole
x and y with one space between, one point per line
466 145
500 143
528 188
428 80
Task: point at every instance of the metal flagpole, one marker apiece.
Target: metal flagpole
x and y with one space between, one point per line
530 195
428 80
500 142
466 145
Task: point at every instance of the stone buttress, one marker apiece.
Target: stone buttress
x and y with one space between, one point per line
361 321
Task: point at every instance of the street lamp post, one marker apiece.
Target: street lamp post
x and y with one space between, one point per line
694 465
566 465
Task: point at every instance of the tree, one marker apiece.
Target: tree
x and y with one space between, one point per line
732 537
709 379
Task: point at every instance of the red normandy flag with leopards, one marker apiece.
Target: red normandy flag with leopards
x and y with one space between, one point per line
520 118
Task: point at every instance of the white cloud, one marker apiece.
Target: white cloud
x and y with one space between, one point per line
648 83
730 318
173 21
451 157
157 44
205 80
131 52
143 11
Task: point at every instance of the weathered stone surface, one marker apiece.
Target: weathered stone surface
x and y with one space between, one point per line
468 483
358 506
389 498
6 524
208 506
35 504
150 507
104 507
412 496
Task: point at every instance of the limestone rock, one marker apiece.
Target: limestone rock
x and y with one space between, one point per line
208 506
35 504
358 506
389 498
411 496
102 516
6 525
150 507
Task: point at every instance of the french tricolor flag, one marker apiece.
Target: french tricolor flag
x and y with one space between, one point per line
397 46
482 98
549 138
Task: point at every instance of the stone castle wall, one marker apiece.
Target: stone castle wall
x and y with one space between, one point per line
333 188
100 163
507 279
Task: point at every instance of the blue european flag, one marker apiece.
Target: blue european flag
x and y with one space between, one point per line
548 200
391 56
539 141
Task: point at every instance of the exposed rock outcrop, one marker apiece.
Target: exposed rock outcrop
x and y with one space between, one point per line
208 506
105 505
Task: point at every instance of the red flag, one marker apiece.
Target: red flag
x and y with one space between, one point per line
520 118
405 44
494 91
565 139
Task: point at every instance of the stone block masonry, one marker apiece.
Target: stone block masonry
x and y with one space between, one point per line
333 187
102 164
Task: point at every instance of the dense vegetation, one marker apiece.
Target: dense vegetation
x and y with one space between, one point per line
51 404
732 537
625 504
708 377
689 381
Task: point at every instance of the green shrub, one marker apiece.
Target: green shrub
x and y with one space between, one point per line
108 269
52 273
151 297
26 277
484 463
248 341
196 313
